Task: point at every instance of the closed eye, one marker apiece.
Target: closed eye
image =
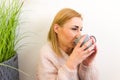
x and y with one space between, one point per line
74 28
77 29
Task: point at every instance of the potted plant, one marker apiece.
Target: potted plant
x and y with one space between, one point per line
10 11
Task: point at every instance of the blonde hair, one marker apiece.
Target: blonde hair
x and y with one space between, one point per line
61 18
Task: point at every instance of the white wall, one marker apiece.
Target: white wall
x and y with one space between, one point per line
101 18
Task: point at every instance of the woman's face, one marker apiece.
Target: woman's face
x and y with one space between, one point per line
69 32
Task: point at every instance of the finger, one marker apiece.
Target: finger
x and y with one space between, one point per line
87 51
87 45
80 42
93 39
95 48
92 47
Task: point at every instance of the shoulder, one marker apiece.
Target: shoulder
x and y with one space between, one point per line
46 51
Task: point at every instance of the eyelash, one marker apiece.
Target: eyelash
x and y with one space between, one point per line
76 29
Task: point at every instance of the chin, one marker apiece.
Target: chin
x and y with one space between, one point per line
71 45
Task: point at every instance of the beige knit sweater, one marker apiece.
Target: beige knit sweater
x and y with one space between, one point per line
51 67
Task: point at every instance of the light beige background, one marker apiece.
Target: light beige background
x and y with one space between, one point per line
101 18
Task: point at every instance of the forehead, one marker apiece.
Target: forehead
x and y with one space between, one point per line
74 21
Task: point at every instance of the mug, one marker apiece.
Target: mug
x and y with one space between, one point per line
85 40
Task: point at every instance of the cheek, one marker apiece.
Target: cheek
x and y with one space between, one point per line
69 35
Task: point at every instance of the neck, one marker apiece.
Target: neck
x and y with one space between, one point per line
67 50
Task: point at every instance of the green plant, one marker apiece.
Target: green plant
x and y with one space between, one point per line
9 20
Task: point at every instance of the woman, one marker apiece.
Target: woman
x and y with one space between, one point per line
60 58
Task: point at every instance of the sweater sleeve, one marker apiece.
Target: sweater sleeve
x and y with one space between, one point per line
66 74
88 72
48 70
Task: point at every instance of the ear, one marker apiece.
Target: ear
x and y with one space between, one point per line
56 28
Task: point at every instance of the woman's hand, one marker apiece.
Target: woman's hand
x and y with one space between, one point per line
80 54
91 57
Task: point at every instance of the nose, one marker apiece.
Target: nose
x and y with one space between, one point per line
78 34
